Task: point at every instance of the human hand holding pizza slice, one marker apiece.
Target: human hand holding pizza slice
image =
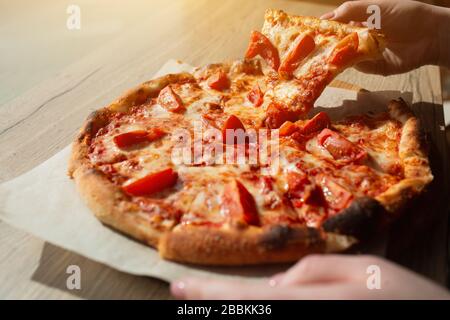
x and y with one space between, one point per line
416 33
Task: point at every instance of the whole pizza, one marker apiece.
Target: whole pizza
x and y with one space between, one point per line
231 165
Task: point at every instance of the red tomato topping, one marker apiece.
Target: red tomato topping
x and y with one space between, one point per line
169 100
337 197
255 96
303 191
132 138
266 184
155 134
151 183
339 147
239 205
299 50
288 128
261 45
277 115
296 183
345 51
219 81
318 122
232 123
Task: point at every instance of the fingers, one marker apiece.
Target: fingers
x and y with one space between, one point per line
217 289
327 268
348 11
224 290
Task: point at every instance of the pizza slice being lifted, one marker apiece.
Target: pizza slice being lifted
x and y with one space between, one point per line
301 56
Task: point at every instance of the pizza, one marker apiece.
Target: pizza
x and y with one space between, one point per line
231 165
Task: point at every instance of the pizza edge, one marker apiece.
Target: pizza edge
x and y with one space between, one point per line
414 158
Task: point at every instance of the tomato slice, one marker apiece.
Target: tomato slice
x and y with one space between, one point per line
345 51
131 138
239 205
255 96
128 139
339 147
318 122
287 129
169 100
337 197
261 45
303 191
155 134
219 81
232 123
302 46
277 115
296 183
151 183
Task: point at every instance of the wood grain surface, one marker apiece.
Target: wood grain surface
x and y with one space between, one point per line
42 117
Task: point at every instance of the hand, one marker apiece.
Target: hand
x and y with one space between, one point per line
320 277
416 33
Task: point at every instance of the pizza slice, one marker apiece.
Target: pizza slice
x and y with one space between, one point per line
301 56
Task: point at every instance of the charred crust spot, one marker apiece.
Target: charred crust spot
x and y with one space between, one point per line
360 219
280 236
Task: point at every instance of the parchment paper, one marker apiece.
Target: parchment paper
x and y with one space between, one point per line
44 202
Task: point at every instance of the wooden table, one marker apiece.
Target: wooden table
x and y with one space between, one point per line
56 77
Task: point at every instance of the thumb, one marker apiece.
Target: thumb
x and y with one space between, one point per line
349 11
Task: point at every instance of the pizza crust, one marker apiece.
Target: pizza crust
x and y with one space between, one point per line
252 245
360 220
413 155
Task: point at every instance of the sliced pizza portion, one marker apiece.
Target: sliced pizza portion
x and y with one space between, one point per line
302 55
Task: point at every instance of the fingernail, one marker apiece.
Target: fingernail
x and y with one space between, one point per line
178 289
328 16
